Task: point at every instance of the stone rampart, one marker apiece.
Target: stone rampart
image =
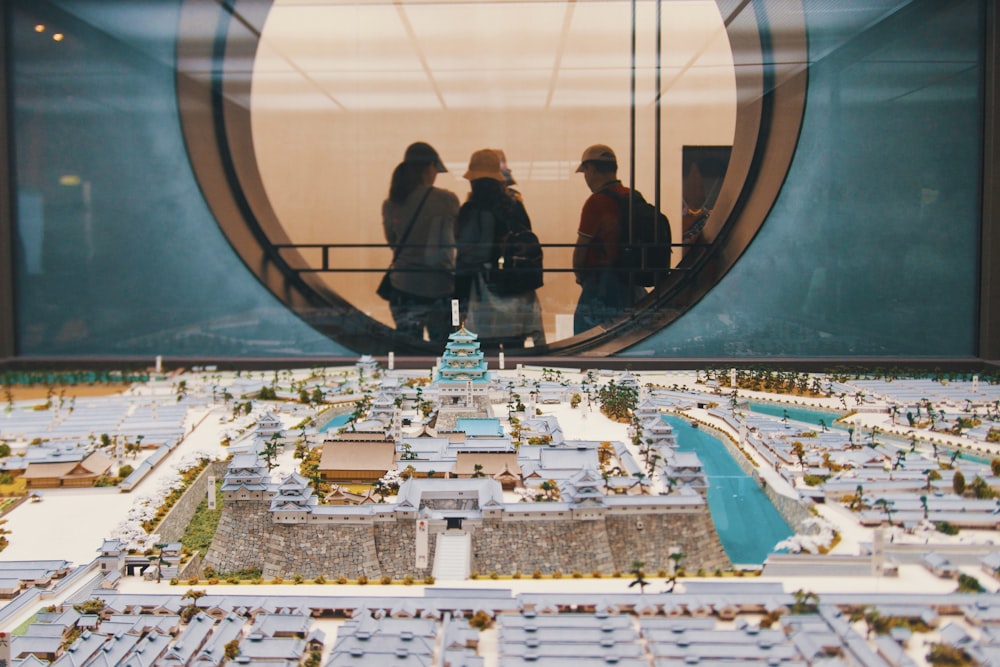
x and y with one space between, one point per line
330 551
506 547
173 525
396 547
244 529
651 538
248 537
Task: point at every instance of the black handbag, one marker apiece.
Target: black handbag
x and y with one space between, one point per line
385 288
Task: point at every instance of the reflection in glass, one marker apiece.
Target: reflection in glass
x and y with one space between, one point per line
339 91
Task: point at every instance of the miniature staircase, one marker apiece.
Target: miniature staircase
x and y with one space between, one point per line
451 559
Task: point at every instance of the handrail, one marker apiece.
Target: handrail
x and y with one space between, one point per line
326 248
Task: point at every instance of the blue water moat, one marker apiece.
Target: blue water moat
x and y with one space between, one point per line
803 415
813 417
747 523
336 422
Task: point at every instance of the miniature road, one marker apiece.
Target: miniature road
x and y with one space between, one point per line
71 524
65 525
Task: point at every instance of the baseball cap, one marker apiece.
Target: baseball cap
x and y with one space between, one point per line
421 152
597 153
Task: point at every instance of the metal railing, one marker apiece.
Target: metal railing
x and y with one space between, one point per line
327 266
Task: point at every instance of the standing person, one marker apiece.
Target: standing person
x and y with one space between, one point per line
491 213
605 292
420 218
508 177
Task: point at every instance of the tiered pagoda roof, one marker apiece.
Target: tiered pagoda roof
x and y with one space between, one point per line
463 361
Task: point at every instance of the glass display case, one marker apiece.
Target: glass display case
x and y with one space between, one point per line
196 179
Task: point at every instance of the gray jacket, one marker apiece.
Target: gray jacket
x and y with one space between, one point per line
426 266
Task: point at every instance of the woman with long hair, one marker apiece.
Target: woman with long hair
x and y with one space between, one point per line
420 219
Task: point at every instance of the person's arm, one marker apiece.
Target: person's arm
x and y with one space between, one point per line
390 233
580 254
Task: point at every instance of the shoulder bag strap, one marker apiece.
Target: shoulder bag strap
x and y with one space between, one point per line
409 228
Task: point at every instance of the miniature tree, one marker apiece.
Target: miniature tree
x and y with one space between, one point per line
872 618
550 491
270 452
676 557
191 610
969 584
982 490
806 602
887 507
640 576
800 453
858 499
946 655
958 482
94 605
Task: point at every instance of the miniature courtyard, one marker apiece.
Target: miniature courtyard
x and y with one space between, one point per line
883 540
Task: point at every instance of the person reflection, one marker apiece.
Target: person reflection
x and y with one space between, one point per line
604 293
504 310
421 219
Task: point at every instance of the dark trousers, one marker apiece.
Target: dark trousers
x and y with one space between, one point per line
413 313
604 296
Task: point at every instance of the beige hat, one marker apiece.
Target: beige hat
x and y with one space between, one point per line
597 153
485 164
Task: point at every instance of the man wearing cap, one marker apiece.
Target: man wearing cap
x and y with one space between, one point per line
604 292
420 219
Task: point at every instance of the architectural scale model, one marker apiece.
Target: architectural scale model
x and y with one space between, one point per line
473 515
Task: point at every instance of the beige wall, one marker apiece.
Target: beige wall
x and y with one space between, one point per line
340 90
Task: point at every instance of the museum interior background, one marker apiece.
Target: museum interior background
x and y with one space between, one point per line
204 179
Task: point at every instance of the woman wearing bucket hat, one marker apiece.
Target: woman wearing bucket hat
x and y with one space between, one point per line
487 223
419 222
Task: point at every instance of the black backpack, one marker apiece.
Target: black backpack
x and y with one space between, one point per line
518 266
647 257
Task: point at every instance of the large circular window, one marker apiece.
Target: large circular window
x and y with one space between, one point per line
297 112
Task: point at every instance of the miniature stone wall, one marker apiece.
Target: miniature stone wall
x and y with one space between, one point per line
331 551
693 534
191 568
248 538
506 547
173 525
244 528
793 511
396 546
